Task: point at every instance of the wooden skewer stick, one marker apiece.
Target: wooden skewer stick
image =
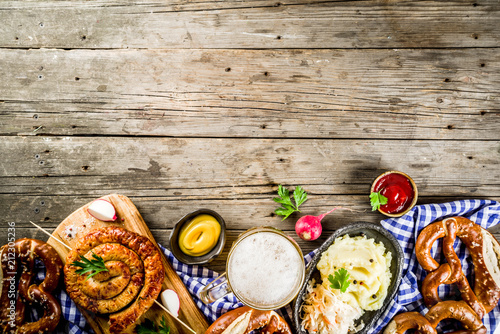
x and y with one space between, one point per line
173 316
50 235
159 304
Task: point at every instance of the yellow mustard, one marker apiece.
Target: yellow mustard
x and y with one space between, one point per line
199 236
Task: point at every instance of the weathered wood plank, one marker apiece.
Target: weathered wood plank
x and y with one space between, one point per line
424 94
203 169
252 24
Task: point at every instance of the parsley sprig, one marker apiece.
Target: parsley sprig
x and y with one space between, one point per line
95 266
149 327
377 199
340 281
287 206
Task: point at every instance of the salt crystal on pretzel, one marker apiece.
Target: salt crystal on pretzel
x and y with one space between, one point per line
25 251
484 250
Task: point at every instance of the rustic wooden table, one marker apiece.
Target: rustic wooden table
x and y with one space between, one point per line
193 104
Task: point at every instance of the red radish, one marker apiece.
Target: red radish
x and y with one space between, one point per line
102 210
170 300
309 227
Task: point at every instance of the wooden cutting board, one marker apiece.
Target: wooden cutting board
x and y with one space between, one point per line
81 222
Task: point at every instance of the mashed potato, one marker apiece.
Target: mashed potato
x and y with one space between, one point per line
368 264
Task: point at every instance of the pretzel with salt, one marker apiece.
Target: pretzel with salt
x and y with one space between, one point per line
458 310
245 320
484 250
24 251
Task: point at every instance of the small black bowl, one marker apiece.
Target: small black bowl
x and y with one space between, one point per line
371 231
203 259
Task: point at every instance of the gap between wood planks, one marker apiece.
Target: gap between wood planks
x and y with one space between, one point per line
243 49
41 134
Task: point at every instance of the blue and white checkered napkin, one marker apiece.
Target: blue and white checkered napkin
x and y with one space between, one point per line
194 278
406 229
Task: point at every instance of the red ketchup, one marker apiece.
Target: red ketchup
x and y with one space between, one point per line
398 190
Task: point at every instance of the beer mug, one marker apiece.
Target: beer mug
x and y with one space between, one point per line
265 270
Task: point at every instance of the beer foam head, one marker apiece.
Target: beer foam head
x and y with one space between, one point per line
265 269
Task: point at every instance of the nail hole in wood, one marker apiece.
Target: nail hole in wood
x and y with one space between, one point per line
228 69
41 24
85 168
41 162
35 116
263 126
476 36
77 79
40 77
42 203
37 156
17 38
37 210
266 74
278 37
84 37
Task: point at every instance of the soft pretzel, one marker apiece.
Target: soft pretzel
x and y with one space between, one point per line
244 320
131 284
458 310
24 252
485 253
409 320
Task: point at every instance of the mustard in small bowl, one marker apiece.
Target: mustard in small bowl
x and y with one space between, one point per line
198 237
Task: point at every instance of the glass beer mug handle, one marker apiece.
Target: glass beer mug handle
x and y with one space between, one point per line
215 290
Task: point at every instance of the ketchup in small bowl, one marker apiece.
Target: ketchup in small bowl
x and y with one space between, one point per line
400 191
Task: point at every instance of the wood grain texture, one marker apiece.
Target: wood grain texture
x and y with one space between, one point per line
188 104
128 218
250 24
208 168
373 94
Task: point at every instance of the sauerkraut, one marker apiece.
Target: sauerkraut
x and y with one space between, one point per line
324 313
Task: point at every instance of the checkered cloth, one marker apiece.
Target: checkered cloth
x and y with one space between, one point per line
193 276
405 229
196 277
